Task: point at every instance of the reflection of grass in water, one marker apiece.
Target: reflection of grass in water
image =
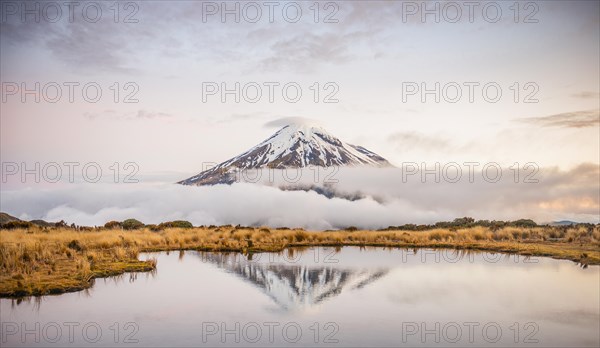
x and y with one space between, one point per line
45 261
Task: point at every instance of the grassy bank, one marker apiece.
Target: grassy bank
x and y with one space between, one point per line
39 261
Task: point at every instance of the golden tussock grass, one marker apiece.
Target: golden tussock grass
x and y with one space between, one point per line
44 261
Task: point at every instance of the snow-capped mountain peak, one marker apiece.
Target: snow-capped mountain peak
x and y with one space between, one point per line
296 145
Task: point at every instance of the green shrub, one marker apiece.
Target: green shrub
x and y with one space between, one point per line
524 223
175 224
132 224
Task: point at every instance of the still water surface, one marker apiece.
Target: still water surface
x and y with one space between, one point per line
322 297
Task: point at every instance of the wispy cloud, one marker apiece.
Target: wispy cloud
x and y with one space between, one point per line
143 114
575 119
139 115
282 122
586 95
304 50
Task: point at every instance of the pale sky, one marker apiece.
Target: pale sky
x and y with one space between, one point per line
161 54
368 54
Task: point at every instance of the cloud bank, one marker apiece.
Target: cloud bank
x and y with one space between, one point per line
383 198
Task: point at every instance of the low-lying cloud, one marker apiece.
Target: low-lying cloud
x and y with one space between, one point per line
383 197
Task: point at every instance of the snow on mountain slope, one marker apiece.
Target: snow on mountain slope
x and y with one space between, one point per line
293 146
296 286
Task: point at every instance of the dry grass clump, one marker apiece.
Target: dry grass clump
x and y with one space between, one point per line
442 235
41 261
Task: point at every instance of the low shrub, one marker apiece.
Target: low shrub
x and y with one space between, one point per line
132 224
16 224
113 225
153 228
176 224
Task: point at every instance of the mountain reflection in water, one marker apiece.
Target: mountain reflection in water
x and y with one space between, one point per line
295 286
